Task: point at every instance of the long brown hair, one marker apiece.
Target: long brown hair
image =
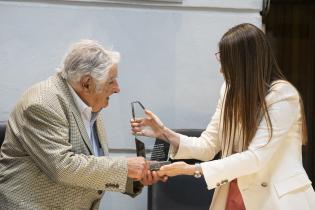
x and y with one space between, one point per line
249 68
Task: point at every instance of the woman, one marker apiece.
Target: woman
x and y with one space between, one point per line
258 126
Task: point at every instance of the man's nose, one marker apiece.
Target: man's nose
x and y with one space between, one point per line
116 88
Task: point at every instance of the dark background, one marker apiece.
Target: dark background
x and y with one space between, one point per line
290 25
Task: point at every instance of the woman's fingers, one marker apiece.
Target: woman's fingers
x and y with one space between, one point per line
136 126
155 118
166 167
165 178
149 126
137 120
161 173
149 113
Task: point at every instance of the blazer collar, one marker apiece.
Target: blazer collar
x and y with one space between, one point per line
62 84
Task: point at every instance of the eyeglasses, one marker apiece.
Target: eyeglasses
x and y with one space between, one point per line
217 55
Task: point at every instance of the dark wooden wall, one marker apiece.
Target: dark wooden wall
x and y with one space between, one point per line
290 25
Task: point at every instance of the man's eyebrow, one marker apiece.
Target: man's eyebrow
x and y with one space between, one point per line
112 78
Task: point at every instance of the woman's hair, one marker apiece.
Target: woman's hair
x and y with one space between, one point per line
249 68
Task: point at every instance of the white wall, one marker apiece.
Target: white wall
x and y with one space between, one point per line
167 49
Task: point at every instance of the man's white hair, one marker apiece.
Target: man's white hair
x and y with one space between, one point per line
88 57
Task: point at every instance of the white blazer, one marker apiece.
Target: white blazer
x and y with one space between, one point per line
270 174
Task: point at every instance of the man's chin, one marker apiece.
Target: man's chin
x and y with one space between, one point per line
106 103
101 107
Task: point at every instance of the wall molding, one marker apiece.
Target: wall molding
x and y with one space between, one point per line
218 5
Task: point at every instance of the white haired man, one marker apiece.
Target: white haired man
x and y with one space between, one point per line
55 153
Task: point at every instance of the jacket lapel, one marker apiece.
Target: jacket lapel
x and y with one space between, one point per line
102 135
62 84
81 127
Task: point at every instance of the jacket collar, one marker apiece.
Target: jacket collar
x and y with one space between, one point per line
62 84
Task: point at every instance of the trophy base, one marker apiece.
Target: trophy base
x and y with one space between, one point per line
156 165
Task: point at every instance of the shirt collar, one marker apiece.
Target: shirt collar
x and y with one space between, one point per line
84 109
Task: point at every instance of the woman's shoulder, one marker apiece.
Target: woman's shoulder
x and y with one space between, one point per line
281 90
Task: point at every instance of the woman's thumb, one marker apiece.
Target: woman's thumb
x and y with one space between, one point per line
149 113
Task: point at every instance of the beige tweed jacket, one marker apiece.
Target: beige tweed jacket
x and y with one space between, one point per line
46 161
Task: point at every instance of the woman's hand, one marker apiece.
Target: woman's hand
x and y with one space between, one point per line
150 126
151 177
177 168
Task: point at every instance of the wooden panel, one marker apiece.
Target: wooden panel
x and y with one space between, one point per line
290 26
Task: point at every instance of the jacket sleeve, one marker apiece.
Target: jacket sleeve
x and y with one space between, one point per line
134 188
283 107
44 134
207 145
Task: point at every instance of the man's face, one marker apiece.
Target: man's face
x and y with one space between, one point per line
100 98
97 99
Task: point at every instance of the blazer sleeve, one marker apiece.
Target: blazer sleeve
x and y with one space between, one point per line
134 188
44 134
283 107
207 145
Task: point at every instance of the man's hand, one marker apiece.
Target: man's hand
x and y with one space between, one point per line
137 168
152 177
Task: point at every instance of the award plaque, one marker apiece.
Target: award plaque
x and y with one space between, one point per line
159 150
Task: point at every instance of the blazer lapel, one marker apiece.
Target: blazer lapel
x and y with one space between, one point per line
102 135
62 84
81 127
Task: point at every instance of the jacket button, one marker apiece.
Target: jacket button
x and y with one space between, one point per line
99 192
264 184
218 184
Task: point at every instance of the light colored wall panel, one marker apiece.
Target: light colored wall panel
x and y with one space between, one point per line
167 49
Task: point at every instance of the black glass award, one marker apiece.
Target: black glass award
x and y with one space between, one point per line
158 150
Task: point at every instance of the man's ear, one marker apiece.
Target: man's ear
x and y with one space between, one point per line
86 83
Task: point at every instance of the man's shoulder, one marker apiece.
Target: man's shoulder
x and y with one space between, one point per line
46 93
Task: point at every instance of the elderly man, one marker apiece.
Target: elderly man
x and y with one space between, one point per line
55 153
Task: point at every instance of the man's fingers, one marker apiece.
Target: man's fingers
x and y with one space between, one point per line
137 168
149 177
156 177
